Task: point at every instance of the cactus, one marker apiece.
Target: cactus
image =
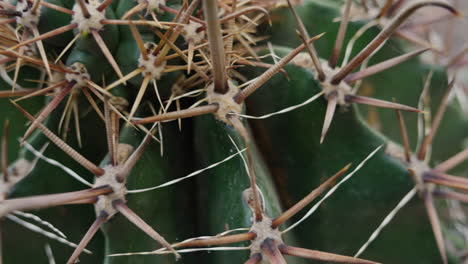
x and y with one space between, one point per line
204 129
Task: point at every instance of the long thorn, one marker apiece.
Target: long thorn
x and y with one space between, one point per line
319 255
101 219
42 52
333 190
380 67
66 114
406 199
69 45
134 22
135 10
62 145
132 160
49 34
395 6
243 12
435 224
176 12
7 5
333 61
417 40
446 180
7 21
18 61
384 35
449 177
385 8
253 185
91 200
93 103
310 47
76 116
446 194
57 8
270 250
259 81
330 112
48 109
404 135
93 86
35 6
109 132
31 60
423 121
216 241
201 110
308 199
140 223
259 64
254 259
139 41
5 61
156 91
457 57
106 52
453 161
104 5
210 8
50 200
42 91
379 103
125 78
436 122
140 94
191 51
116 132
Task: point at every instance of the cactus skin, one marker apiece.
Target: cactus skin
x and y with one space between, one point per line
367 197
9 111
45 179
164 206
228 209
294 156
398 82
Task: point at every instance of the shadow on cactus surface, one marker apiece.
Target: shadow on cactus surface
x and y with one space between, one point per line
230 131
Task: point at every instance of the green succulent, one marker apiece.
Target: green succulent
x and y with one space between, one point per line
204 129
